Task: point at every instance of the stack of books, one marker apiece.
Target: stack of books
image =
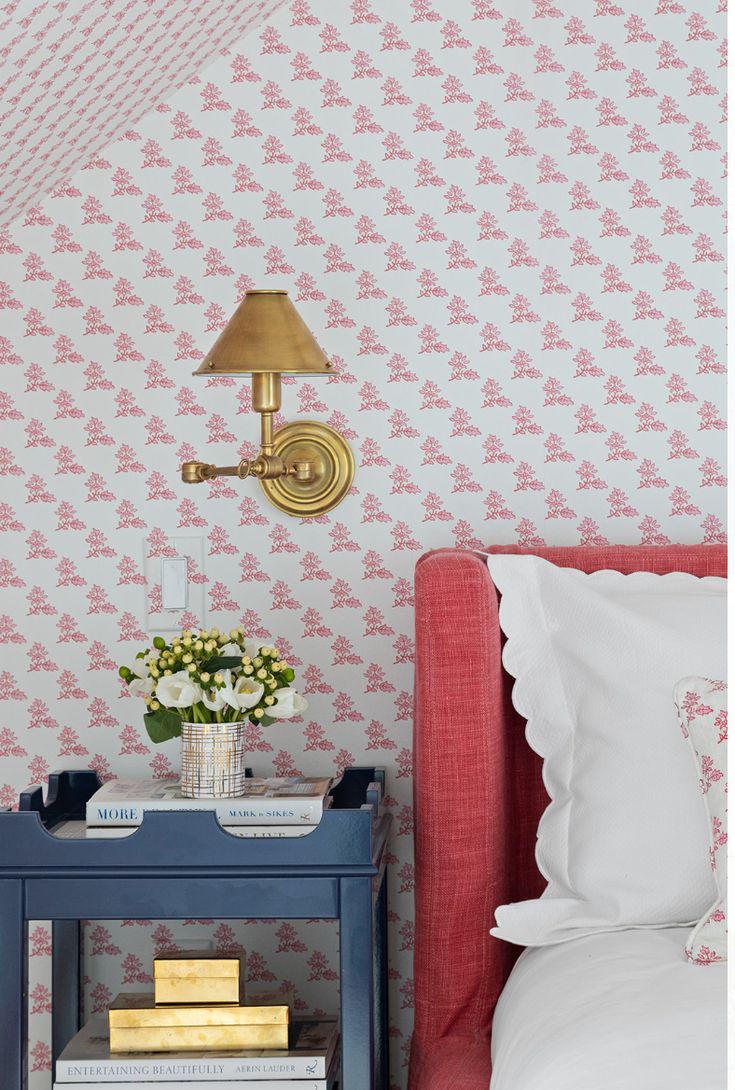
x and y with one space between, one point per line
281 806
311 1062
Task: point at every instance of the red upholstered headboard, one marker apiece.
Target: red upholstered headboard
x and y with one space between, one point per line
478 797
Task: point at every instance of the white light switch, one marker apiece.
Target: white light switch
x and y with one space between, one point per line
174 582
176 585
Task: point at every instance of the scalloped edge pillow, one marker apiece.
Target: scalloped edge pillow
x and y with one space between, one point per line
702 706
624 840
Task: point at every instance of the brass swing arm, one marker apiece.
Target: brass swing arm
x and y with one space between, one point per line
265 468
268 466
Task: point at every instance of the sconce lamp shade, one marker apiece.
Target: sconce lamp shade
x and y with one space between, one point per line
265 334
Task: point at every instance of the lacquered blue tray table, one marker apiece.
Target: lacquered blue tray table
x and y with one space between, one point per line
185 866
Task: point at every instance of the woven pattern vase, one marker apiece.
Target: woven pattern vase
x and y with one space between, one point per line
212 760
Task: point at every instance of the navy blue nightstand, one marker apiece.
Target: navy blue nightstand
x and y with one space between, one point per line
184 866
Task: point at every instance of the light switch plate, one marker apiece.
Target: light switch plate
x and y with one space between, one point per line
174 583
175 573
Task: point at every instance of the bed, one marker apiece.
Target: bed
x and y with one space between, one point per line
618 1005
478 797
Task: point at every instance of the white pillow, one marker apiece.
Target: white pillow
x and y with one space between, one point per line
702 707
624 840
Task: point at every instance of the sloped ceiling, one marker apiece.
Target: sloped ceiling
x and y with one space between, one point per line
75 75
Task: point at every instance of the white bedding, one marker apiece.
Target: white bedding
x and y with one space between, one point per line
621 1010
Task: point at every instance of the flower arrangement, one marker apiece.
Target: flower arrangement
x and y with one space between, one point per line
211 677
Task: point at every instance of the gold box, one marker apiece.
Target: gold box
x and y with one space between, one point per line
198 1038
196 977
137 1025
131 1010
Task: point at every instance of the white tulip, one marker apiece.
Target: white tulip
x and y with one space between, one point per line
213 700
145 686
227 692
178 691
288 704
248 692
240 694
230 649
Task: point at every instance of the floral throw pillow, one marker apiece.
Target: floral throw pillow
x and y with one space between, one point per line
702 707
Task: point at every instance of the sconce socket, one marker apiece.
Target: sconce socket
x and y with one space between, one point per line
266 392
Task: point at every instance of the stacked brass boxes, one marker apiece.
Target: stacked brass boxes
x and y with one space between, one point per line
198 1004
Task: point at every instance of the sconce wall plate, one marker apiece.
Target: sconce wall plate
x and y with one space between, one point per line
332 468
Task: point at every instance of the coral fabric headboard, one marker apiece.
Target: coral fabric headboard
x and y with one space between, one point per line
478 796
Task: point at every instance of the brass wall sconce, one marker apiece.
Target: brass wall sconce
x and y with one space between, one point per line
304 468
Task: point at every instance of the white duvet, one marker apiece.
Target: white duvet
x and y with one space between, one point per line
615 1011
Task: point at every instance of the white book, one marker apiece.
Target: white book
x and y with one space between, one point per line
87 1060
279 800
229 1084
238 1084
79 830
246 832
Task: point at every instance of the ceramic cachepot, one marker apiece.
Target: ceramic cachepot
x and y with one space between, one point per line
212 760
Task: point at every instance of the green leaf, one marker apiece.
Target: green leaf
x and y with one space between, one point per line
266 721
162 725
159 643
125 673
221 662
287 675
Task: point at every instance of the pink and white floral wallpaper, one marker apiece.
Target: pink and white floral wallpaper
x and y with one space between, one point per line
504 223
75 73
